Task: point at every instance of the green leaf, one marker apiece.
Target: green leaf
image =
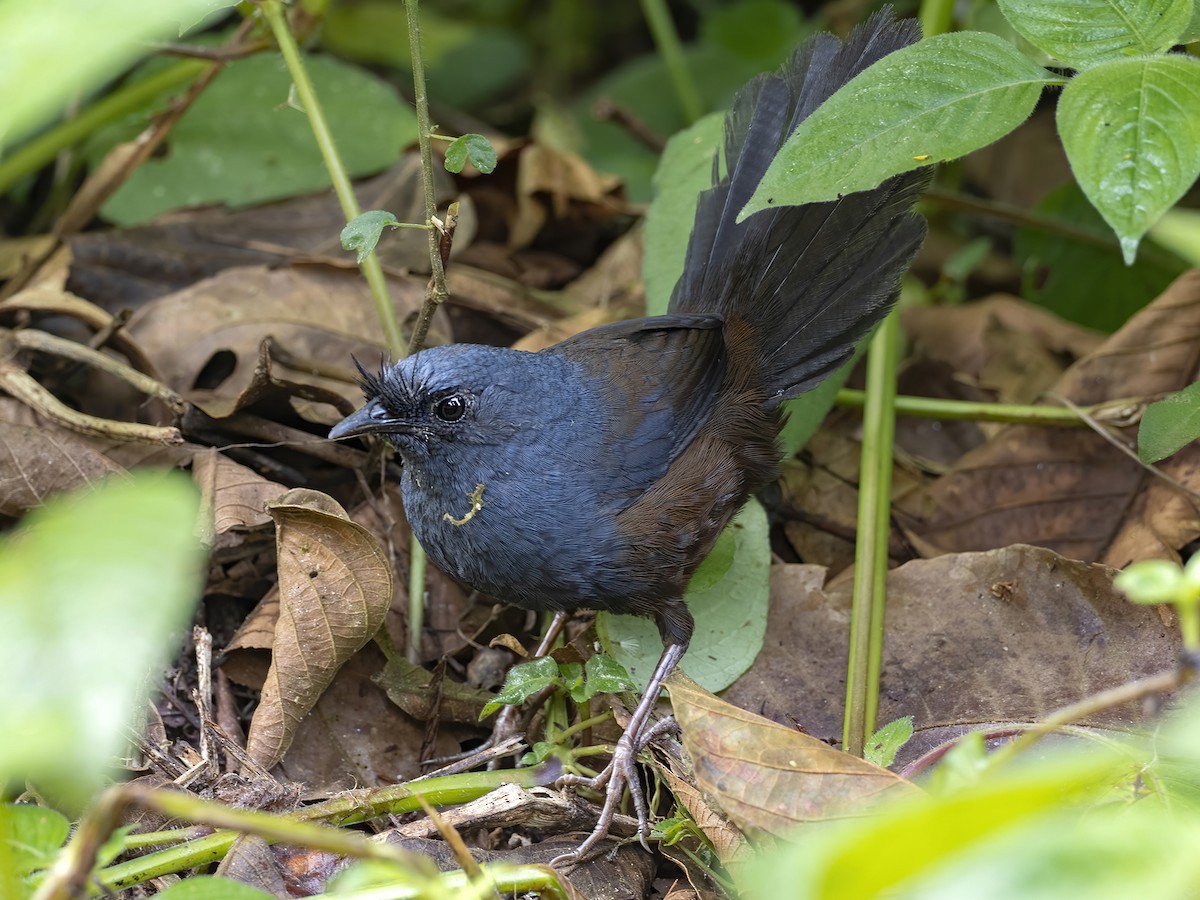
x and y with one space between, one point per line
476 148
1131 130
716 564
684 172
523 681
95 591
1150 582
1081 279
242 142
731 615
1079 32
900 849
54 50
32 837
1170 424
883 745
604 675
211 887
571 678
362 233
935 100
643 86
761 30
467 63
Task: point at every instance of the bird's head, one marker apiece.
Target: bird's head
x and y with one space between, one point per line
456 394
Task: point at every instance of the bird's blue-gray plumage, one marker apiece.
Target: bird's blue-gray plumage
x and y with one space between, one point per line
598 473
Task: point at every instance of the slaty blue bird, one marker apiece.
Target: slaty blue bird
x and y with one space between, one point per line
598 473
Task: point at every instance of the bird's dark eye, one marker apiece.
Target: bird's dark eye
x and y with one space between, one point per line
451 409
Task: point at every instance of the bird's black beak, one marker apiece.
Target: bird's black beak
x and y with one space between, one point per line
370 419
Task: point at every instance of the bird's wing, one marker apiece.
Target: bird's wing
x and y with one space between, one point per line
660 377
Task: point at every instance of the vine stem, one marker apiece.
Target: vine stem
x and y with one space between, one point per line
436 294
371 268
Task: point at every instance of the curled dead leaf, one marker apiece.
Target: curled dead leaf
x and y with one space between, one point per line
768 778
335 586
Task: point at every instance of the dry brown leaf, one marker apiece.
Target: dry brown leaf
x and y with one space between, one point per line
37 460
316 313
1008 635
237 496
1070 489
335 587
1002 343
820 496
768 778
553 183
356 737
727 840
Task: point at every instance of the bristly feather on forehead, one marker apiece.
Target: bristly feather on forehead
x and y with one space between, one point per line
372 385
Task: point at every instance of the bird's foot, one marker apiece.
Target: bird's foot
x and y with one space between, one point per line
618 775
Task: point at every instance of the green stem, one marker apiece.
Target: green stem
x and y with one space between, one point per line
344 809
666 39
966 410
416 603
134 96
936 16
437 293
371 268
871 551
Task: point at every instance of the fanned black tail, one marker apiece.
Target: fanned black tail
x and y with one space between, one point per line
810 280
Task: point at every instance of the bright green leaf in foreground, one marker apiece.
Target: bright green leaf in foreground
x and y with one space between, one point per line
1131 129
95 591
1078 32
53 50
731 615
935 100
908 845
1170 424
212 887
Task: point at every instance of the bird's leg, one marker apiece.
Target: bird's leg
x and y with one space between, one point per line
621 772
509 717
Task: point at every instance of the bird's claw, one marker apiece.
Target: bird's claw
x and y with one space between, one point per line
619 774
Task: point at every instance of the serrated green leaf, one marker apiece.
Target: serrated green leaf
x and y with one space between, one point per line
731 616
473 147
1169 424
885 743
362 233
523 681
242 142
1131 130
571 678
604 675
1079 32
94 591
935 100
